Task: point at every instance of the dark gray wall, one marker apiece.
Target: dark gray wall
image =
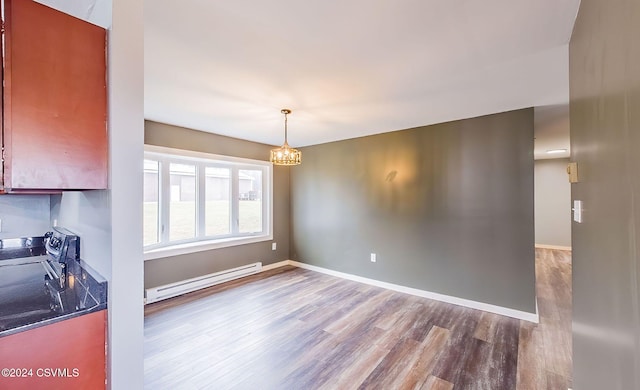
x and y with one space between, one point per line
552 202
447 208
604 69
176 268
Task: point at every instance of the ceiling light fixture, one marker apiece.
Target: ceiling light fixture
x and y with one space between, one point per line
286 155
555 151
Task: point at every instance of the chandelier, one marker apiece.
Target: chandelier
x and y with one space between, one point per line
286 155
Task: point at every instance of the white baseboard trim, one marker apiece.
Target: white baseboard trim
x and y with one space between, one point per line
521 315
557 247
275 265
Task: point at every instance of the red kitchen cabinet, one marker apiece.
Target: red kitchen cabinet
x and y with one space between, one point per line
54 101
69 354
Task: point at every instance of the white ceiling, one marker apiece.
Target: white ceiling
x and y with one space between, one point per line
551 125
358 70
350 69
94 11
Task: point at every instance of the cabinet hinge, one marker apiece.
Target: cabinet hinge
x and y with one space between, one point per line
3 154
2 28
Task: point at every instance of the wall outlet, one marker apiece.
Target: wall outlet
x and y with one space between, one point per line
274 245
373 257
0 225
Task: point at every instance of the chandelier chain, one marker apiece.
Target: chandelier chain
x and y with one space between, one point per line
285 128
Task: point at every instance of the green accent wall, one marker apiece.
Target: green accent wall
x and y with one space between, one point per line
447 208
604 72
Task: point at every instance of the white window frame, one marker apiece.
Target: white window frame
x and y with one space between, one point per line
201 242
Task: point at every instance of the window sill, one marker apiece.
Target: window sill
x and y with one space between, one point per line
200 246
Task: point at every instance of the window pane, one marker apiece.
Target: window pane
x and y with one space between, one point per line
151 186
182 201
250 207
217 205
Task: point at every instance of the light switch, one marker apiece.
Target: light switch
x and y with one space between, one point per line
572 171
577 211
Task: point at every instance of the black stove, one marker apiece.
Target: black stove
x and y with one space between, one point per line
48 283
62 250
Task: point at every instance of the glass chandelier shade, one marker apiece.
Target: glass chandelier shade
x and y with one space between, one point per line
285 155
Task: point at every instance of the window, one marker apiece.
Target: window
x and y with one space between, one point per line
197 201
151 196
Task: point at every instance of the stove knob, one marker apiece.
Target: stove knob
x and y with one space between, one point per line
55 243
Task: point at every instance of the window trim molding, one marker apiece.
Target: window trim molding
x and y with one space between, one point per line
235 163
192 154
200 246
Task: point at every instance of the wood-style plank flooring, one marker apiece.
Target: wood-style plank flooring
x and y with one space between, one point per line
545 349
291 328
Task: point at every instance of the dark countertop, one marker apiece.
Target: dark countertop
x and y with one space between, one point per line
29 298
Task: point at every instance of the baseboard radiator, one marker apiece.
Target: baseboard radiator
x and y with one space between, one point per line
178 288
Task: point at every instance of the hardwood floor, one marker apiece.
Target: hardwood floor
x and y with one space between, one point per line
291 328
544 358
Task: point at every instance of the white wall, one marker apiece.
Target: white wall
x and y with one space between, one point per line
110 221
23 215
87 214
126 129
552 203
94 11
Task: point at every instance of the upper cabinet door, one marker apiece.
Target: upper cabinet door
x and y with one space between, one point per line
55 100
